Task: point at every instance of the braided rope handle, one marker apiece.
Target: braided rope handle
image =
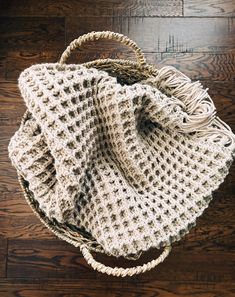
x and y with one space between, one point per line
76 43
123 271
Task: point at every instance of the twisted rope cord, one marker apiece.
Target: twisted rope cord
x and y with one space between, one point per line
122 272
92 36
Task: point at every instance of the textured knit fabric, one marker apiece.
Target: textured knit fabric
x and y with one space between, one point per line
132 165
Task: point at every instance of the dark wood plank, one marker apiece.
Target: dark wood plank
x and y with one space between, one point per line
221 208
213 238
57 259
223 98
198 66
6 133
89 8
8 178
17 61
31 33
17 219
45 259
201 66
113 288
28 227
163 34
12 104
14 206
209 8
3 255
2 66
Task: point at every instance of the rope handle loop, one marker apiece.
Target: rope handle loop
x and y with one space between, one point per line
95 35
122 272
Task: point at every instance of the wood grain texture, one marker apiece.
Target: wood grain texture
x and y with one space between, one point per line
57 259
223 8
202 66
31 33
3 256
199 41
2 66
163 34
6 133
98 8
17 61
115 288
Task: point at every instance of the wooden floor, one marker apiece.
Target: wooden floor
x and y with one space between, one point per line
197 37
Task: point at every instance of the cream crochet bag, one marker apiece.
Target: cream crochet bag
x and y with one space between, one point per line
117 156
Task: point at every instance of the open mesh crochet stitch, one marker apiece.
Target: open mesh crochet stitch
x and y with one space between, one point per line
132 166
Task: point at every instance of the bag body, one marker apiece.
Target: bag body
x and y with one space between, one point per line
117 156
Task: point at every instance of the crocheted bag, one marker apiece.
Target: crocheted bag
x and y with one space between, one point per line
117 156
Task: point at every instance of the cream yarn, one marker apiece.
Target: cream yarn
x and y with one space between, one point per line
130 166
